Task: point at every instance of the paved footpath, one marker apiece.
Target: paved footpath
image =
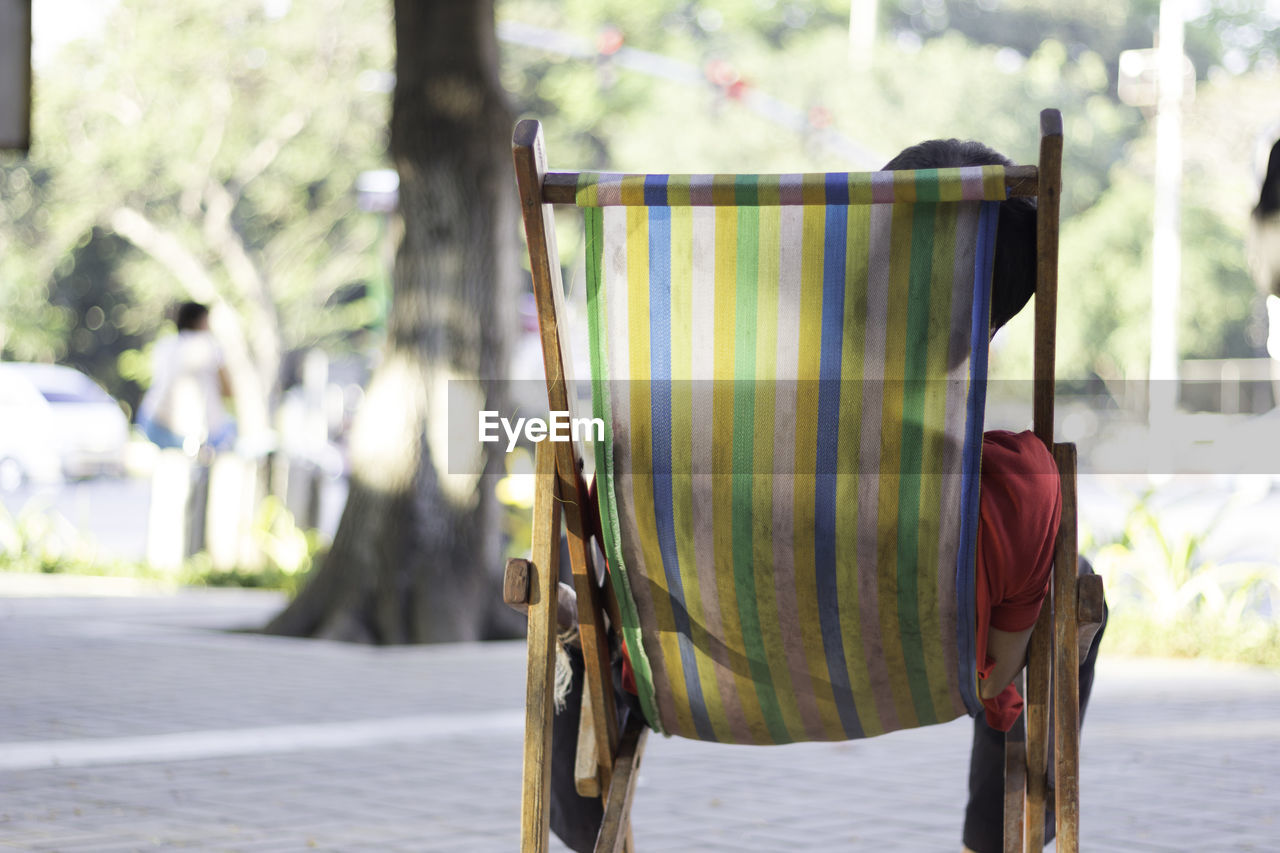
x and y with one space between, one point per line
137 722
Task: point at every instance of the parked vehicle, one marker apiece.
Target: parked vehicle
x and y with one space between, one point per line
56 422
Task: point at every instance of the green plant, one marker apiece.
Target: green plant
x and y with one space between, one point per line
39 540
289 553
1168 597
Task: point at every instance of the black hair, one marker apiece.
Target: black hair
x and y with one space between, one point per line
189 315
1014 275
1269 197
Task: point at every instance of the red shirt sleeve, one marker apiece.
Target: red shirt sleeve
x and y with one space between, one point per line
1020 506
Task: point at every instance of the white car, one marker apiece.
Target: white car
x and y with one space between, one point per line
56 422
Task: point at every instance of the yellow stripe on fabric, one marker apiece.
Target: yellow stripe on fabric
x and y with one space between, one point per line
993 182
860 189
642 464
904 189
949 189
723 192
935 411
766 360
726 294
678 195
890 459
813 231
857 251
682 261
813 190
633 194
768 193
587 193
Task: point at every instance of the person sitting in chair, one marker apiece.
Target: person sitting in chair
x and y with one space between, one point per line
1020 502
1019 509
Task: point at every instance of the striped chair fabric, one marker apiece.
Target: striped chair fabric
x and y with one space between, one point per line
791 370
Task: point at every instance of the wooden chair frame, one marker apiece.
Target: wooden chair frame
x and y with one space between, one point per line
607 760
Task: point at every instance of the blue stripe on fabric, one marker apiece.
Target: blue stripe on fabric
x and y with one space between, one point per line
655 191
837 190
828 430
660 397
971 467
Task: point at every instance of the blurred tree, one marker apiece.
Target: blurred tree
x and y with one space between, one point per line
977 69
417 555
1105 267
220 141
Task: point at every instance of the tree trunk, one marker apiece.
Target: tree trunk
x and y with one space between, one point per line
417 553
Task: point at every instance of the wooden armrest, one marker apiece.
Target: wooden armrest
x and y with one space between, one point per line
1089 610
515 585
515 594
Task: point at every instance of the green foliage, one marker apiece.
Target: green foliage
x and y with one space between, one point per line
234 139
1168 598
515 494
962 68
239 136
39 540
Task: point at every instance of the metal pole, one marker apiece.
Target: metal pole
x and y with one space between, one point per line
862 33
1166 246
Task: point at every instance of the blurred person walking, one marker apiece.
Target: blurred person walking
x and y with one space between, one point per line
184 406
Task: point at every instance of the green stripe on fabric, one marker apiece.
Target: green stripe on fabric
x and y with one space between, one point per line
935 406
725 327
857 251
601 408
744 386
917 347
890 458
926 181
763 478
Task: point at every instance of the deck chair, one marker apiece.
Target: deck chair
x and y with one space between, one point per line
791 371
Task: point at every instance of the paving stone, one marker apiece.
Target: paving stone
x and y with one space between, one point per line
1176 755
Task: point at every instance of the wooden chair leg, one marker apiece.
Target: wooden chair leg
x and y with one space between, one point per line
1066 669
1039 669
615 831
586 765
529 153
1015 780
535 809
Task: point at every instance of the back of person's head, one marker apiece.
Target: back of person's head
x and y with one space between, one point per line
1014 274
191 316
1269 197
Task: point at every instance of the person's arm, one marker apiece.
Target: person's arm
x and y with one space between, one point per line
1007 651
1021 509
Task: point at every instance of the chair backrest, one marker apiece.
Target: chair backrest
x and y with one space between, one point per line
791 370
